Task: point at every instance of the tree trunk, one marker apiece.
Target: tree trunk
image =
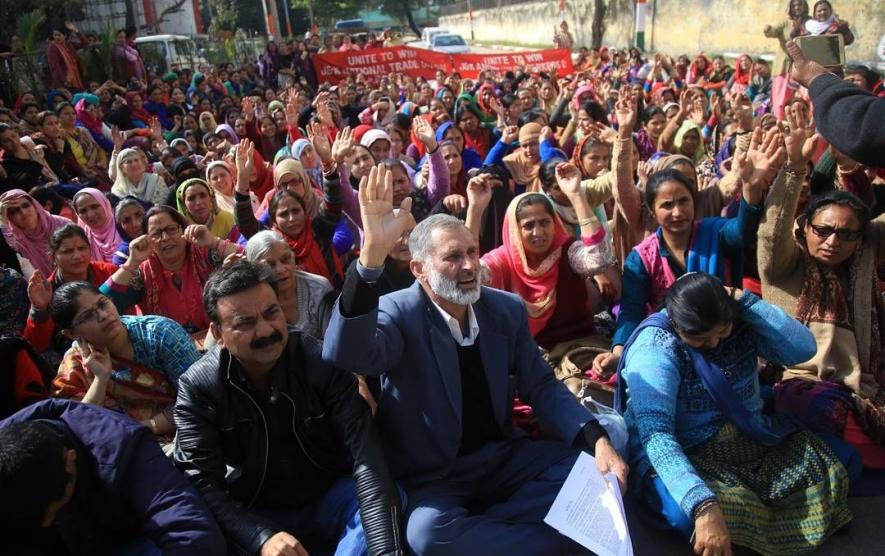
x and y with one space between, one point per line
597 30
411 19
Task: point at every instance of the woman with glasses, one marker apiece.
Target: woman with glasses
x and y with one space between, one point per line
27 227
127 363
168 267
132 178
821 269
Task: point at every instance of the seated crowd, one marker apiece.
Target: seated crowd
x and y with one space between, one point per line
381 316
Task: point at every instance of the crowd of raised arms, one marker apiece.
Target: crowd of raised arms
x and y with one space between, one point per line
245 312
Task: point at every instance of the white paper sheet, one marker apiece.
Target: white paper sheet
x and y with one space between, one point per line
590 511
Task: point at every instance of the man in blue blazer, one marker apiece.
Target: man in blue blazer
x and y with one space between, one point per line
451 355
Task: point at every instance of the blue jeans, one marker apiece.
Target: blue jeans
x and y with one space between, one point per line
492 502
331 525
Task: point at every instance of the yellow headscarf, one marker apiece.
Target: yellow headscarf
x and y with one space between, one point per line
220 221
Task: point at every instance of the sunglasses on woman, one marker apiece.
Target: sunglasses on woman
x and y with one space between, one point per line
844 234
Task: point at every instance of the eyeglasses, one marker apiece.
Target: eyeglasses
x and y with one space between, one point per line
168 231
290 183
844 234
91 314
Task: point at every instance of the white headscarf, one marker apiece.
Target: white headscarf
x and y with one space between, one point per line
150 187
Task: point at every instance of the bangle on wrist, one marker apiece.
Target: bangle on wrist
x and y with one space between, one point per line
704 507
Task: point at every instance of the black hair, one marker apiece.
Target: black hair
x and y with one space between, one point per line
590 143
26 105
843 199
656 180
63 307
6 127
66 232
173 110
61 106
508 100
163 209
44 193
41 117
532 199
596 111
32 473
547 173
651 112
278 198
529 116
232 279
697 302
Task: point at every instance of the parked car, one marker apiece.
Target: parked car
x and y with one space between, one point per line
428 33
450 44
162 53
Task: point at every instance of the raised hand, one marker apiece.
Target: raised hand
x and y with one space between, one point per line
117 138
156 130
698 112
603 132
509 134
96 360
626 112
382 225
343 145
568 177
479 192
39 291
248 108
139 250
425 133
758 166
245 165
800 140
292 111
320 141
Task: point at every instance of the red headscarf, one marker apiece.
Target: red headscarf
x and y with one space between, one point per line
310 256
511 272
740 76
141 113
694 73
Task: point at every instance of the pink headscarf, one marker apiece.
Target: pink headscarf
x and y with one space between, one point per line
103 241
34 245
583 89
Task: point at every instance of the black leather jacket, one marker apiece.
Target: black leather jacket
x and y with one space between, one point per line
220 424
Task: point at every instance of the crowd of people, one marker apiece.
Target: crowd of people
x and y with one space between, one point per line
246 312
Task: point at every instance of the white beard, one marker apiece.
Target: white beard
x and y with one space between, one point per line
448 289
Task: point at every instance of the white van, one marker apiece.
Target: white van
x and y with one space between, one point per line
164 53
428 33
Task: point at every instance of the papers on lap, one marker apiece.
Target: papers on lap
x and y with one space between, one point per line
589 510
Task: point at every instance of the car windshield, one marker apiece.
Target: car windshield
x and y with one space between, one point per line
448 40
185 49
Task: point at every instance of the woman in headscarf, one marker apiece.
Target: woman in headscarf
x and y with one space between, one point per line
196 200
542 263
27 228
447 131
89 117
222 178
469 119
378 143
302 151
699 70
207 122
289 212
167 268
96 217
62 58
525 163
133 179
743 72
689 141
129 212
138 114
225 129
824 21
89 156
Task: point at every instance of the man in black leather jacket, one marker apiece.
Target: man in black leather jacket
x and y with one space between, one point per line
264 429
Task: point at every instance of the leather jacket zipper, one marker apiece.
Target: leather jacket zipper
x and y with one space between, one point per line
297 436
266 442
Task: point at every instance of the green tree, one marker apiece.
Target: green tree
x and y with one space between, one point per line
402 9
326 13
56 12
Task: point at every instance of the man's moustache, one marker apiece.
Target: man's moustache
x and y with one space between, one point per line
262 343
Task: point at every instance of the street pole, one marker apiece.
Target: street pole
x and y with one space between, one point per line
640 23
470 18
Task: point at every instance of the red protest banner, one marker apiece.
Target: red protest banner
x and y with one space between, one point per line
377 62
469 65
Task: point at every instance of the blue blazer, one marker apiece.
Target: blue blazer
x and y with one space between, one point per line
406 342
